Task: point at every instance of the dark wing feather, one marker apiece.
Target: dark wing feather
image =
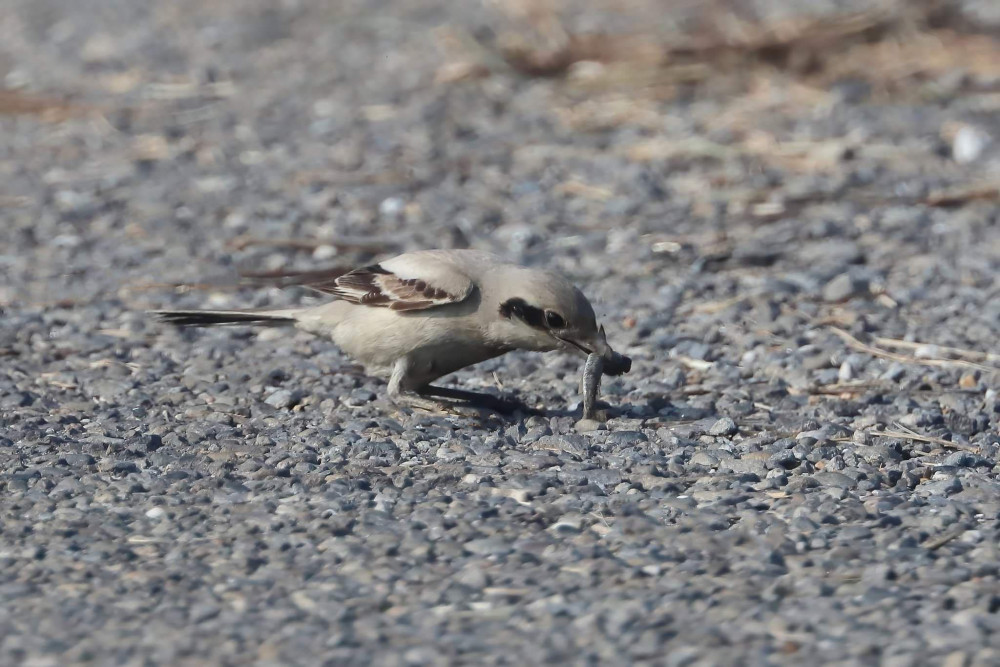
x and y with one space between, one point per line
376 286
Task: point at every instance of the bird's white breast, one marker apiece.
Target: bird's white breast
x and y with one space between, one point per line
436 342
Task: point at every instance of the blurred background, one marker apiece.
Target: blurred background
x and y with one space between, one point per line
271 134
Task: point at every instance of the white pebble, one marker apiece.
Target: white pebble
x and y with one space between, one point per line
968 144
324 252
391 207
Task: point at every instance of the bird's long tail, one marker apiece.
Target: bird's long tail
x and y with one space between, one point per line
211 318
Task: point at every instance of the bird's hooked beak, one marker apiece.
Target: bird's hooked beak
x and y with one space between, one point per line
614 363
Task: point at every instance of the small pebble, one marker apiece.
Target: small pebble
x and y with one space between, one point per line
723 427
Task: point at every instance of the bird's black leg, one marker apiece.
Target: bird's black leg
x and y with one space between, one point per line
403 393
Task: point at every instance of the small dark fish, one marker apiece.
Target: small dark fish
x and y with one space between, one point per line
592 371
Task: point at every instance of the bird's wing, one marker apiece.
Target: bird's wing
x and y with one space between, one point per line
414 281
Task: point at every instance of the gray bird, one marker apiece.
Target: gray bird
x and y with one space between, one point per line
422 315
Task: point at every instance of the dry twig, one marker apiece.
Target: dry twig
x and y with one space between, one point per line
989 191
343 243
936 543
906 359
908 434
968 355
17 102
181 288
837 389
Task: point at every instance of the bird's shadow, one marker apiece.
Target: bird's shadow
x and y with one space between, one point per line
515 410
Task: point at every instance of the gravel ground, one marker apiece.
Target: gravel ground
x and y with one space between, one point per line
224 497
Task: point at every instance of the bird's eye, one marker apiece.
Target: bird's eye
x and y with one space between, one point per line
554 320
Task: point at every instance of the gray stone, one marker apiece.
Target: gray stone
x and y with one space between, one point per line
944 487
704 459
844 287
836 479
282 398
724 427
964 460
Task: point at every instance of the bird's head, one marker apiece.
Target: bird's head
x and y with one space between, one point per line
542 311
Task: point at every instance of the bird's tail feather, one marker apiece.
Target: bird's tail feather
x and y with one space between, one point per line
211 318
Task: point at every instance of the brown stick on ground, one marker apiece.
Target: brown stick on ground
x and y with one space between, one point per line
341 243
906 359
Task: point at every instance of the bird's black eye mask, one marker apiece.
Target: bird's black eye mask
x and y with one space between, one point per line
546 320
519 308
